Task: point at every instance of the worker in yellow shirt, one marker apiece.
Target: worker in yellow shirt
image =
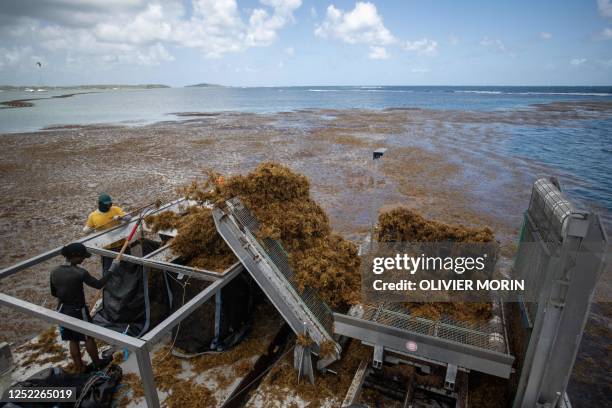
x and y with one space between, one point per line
106 216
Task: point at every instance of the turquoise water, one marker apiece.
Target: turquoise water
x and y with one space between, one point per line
581 149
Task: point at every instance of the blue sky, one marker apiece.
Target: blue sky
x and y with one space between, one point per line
302 42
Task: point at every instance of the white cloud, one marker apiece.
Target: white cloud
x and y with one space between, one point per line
378 53
289 51
545 35
15 56
605 7
135 32
150 25
263 27
422 46
453 39
578 61
606 34
246 69
419 70
606 63
362 25
493 43
153 55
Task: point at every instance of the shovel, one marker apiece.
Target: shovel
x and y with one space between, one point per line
117 260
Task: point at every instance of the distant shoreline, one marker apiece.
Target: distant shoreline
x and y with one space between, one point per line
607 89
39 88
26 103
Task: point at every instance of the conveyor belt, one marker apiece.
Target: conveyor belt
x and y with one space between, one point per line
481 347
267 263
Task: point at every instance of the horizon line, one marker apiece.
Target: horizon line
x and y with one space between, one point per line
211 85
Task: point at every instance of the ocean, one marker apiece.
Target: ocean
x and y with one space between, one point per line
137 107
578 149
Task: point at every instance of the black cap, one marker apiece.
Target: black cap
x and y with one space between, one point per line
75 249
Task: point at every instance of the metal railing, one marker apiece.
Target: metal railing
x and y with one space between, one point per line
140 346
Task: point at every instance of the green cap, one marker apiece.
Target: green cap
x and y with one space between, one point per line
105 199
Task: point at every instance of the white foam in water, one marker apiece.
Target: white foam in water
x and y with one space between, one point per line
362 89
481 92
538 93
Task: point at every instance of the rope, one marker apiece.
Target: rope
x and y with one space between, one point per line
178 328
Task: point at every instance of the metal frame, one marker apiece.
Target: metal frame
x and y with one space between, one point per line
432 348
352 394
234 225
573 244
141 347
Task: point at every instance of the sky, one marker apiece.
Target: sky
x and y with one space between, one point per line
304 42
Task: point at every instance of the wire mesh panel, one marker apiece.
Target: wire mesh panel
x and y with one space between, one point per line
540 239
309 296
549 208
488 335
274 253
531 263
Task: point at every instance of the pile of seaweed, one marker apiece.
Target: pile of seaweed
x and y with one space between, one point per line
326 390
197 240
405 225
280 200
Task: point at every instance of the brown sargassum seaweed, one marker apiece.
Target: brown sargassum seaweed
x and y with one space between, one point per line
405 225
280 200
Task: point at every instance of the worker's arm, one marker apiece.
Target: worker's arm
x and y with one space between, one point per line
120 215
99 283
89 226
53 292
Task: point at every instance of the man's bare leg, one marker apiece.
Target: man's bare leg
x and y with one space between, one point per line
92 350
75 353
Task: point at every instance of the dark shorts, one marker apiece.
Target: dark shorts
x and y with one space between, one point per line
78 313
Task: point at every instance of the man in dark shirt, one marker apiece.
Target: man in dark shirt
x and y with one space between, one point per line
67 286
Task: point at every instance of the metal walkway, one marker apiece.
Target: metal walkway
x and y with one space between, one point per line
267 263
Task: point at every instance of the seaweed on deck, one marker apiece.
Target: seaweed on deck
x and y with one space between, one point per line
46 349
327 388
406 225
188 391
281 201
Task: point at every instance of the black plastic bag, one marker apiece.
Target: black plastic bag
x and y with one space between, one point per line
93 390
